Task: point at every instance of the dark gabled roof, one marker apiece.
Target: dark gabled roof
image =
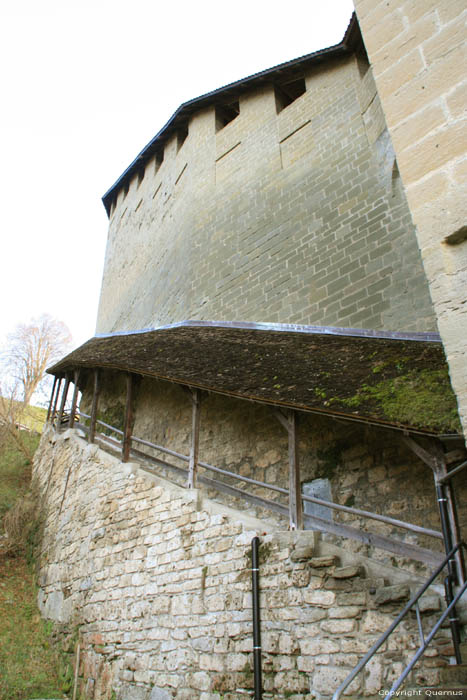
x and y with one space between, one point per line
180 117
395 379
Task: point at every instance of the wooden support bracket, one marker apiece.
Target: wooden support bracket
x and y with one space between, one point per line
288 421
282 418
54 409
435 458
51 399
95 401
194 450
295 490
63 401
429 459
74 400
126 445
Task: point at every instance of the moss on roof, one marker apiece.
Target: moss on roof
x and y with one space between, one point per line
389 380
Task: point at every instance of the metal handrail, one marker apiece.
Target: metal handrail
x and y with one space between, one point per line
425 642
374 516
311 499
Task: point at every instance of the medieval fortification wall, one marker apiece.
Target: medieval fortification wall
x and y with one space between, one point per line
418 52
294 216
288 214
154 581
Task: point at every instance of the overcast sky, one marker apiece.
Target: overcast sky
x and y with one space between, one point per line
85 86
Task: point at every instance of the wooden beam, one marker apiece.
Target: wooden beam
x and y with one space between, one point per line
390 544
283 419
295 492
95 401
63 401
455 456
128 419
74 400
195 416
51 399
54 409
424 455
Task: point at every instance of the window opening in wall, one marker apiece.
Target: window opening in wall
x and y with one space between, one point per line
226 113
182 133
318 488
288 92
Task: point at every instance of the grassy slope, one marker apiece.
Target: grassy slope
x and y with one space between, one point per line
29 664
32 416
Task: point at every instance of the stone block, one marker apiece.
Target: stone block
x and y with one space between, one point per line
319 597
347 571
313 647
338 626
391 594
320 562
302 552
429 603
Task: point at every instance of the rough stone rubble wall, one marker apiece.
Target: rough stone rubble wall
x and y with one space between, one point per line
157 580
368 468
296 217
418 53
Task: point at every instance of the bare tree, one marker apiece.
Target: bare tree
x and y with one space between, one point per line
30 349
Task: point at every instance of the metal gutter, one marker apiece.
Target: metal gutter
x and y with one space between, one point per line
428 337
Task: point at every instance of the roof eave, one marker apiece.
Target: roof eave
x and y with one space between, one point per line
344 47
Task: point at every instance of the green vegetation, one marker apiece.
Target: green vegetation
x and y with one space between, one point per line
417 398
30 665
33 417
15 470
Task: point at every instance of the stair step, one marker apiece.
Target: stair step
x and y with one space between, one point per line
456 673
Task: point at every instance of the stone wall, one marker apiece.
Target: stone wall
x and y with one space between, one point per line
417 50
367 467
294 217
154 580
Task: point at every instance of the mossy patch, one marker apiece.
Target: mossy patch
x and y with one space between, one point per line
422 399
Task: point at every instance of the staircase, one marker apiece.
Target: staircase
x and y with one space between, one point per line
453 677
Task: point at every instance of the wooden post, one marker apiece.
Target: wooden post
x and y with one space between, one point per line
440 471
435 458
74 400
193 465
51 399
95 400
127 428
54 409
295 493
63 401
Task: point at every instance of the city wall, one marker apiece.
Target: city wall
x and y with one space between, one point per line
296 217
417 50
154 581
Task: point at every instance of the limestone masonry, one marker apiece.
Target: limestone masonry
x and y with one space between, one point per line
158 581
279 235
296 216
418 53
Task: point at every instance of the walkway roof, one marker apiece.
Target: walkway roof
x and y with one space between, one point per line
399 380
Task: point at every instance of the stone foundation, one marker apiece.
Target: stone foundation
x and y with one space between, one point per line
156 580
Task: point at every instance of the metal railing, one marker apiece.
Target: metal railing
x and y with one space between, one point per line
399 547
424 641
